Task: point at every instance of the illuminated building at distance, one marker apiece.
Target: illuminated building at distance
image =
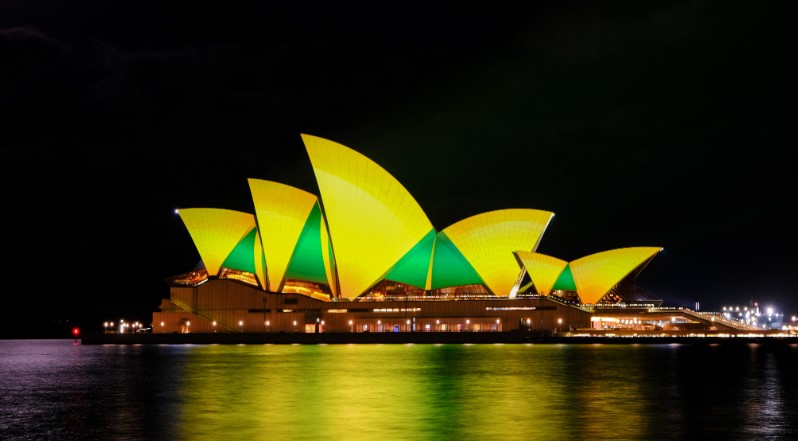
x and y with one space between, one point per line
751 314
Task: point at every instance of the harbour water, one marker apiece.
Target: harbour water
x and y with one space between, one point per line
62 390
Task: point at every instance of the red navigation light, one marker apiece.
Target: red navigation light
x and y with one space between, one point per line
75 331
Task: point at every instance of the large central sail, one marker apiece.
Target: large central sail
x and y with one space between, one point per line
373 220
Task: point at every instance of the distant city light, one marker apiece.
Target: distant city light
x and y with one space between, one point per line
753 316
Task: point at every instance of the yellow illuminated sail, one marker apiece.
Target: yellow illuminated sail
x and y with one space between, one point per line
596 274
373 220
281 212
216 232
488 240
543 270
326 255
260 267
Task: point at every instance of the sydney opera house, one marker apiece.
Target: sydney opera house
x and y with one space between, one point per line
362 256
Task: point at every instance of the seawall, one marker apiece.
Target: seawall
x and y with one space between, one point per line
418 338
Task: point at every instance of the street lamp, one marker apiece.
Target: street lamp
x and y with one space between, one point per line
351 327
559 322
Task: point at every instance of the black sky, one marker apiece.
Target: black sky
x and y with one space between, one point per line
637 123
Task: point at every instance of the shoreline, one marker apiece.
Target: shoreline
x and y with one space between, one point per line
420 338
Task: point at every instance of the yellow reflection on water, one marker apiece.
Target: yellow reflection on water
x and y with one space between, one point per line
409 392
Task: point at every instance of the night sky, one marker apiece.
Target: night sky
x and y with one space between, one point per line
650 123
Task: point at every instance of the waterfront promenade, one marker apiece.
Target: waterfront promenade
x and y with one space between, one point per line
421 338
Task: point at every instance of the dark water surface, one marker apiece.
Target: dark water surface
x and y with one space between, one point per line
61 390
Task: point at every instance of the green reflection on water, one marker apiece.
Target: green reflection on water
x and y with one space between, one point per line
413 392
